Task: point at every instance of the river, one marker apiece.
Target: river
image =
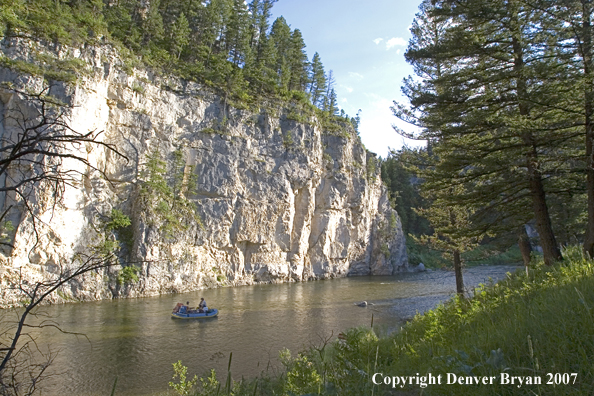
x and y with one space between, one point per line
137 341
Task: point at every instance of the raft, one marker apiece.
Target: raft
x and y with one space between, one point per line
180 312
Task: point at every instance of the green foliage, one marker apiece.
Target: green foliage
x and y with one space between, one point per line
73 23
519 320
118 228
318 80
371 167
398 175
523 158
288 139
6 228
419 253
66 70
128 275
518 326
117 220
210 385
449 223
164 192
491 254
385 249
298 116
302 377
138 88
183 387
227 45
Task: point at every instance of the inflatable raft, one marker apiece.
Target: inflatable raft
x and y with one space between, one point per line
182 312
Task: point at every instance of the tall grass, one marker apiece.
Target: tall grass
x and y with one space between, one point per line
525 325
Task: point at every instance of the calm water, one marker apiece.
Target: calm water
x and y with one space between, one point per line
137 340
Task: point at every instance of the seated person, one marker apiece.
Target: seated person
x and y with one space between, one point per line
202 306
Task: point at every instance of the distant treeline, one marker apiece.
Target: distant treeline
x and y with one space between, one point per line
226 44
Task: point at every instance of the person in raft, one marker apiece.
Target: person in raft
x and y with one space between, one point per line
202 306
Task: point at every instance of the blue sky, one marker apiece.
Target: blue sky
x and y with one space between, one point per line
363 44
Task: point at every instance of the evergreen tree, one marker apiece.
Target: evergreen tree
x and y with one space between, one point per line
261 12
298 63
280 34
317 86
330 96
570 33
403 187
123 23
449 224
237 35
180 32
223 43
481 112
152 25
215 18
332 109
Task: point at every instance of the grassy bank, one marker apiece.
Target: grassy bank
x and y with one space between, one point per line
524 326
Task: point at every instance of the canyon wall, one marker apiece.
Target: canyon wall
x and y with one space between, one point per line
279 197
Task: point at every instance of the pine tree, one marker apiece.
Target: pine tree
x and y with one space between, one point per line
152 26
298 63
215 18
180 35
571 34
482 113
124 22
280 34
449 223
317 86
261 12
237 34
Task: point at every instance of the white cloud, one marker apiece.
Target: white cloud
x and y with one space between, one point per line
343 100
348 89
356 76
378 40
397 52
395 41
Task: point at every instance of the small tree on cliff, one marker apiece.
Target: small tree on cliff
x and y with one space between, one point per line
163 193
36 146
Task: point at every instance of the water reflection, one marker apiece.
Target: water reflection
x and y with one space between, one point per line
137 341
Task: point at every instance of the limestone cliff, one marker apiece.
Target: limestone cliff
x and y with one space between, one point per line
279 199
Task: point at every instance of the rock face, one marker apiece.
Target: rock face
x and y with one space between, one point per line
279 199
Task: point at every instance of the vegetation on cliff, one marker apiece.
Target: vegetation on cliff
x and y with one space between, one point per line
229 45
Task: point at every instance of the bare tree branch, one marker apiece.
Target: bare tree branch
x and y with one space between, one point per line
37 145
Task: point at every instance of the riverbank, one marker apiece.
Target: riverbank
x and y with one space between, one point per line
136 340
535 329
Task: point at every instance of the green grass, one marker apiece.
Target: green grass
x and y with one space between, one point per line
523 326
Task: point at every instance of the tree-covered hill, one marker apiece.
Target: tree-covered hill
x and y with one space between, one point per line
229 45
